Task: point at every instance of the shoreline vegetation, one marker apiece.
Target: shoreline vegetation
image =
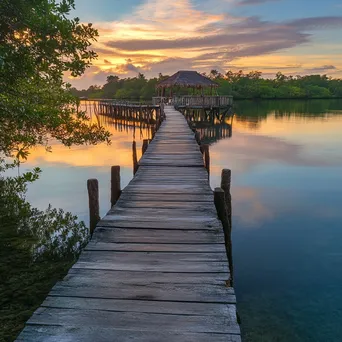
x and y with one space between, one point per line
37 247
249 86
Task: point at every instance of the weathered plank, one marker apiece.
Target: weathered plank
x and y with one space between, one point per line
150 235
108 277
156 247
170 292
52 333
143 306
135 321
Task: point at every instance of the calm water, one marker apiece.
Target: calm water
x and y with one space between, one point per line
286 159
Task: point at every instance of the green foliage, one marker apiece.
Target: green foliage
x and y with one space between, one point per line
238 84
38 44
36 249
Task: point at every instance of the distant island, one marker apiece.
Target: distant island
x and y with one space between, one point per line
239 84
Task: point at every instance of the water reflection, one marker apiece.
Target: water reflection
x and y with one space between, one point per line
69 168
286 159
212 125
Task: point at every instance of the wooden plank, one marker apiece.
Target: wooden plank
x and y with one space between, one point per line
143 306
155 213
171 224
123 235
184 198
156 292
135 321
184 205
108 278
153 261
156 247
68 333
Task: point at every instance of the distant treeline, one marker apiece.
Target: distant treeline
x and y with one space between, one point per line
242 86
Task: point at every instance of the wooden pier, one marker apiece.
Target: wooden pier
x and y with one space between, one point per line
156 267
128 111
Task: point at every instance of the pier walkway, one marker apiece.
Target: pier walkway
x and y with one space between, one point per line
156 268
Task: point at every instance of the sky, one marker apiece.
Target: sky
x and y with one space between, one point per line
164 36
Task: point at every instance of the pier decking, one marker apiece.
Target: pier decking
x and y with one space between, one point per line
156 267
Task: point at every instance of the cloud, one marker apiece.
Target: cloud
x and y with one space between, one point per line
253 2
320 69
315 23
165 36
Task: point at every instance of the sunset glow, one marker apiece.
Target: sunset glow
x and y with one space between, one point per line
164 36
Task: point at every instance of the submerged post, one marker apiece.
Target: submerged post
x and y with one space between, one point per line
219 199
144 146
135 158
94 206
115 185
226 177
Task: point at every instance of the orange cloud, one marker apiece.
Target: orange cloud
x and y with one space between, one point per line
165 36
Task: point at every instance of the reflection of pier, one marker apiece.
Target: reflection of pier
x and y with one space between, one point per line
212 125
146 130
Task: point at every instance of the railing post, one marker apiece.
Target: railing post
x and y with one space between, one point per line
135 159
115 184
198 138
144 146
94 206
219 199
226 177
206 154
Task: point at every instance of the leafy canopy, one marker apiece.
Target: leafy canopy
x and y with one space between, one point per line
39 43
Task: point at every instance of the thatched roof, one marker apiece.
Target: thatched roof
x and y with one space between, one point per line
187 79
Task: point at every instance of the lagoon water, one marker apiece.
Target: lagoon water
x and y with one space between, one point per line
286 162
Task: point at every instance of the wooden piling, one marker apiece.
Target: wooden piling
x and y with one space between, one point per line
153 131
198 138
94 206
206 155
226 176
135 159
220 204
115 184
144 146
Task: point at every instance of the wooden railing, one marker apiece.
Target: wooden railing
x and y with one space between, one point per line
195 101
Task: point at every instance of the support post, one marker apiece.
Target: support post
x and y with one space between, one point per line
115 185
226 177
144 146
206 154
135 159
94 206
198 138
219 199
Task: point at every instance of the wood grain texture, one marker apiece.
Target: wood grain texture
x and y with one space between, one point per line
156 267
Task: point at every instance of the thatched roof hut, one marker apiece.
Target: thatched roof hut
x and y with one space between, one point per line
187 79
